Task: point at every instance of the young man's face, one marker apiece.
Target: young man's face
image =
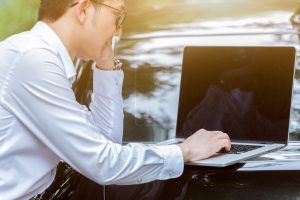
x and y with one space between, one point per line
101 27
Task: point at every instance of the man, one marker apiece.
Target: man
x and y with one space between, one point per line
41 123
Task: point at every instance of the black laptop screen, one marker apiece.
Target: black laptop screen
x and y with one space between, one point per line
243 91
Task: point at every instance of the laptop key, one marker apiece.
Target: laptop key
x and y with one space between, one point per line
239 148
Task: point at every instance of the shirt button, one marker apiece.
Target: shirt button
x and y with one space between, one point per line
171 174
140 180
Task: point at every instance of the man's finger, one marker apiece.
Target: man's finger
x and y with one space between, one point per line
221 135
225 143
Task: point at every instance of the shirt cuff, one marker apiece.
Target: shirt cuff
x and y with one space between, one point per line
107 82
173 162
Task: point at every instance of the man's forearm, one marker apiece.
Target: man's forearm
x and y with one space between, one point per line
107 103
185 151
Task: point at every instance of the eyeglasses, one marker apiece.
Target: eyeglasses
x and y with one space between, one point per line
119 17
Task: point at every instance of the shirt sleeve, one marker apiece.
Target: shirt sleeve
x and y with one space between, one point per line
40 96
107 104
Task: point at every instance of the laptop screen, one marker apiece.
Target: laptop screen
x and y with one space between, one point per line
243 91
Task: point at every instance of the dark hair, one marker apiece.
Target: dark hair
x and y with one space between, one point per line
52 10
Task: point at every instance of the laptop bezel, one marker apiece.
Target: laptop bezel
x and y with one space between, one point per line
292 93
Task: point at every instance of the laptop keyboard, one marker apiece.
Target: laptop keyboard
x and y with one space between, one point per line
239 148
235 148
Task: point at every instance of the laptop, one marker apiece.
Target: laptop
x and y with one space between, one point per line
244 91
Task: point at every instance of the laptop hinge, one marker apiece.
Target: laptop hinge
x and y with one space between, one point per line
253 141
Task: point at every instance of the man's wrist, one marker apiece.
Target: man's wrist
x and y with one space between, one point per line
185 151
117 65
101 67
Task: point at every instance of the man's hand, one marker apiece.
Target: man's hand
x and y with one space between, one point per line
204 144
106 62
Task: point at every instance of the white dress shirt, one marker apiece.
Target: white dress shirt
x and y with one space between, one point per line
41 122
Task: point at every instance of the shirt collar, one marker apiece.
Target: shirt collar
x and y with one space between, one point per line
50 37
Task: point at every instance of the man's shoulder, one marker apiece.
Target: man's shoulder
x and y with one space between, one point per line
25 41
28 50
27 45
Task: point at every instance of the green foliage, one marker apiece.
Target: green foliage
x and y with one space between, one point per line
17 16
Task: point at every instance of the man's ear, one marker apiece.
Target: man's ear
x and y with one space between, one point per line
82 10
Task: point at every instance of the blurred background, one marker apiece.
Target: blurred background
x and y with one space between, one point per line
155 33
